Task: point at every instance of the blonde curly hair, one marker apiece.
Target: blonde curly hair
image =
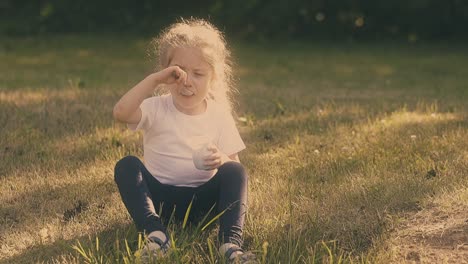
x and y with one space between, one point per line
200 34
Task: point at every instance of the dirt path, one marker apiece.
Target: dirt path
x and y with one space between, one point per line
436 234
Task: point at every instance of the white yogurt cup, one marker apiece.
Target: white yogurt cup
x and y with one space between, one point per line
199 155
200 151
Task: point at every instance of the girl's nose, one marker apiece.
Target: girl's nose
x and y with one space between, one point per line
188 81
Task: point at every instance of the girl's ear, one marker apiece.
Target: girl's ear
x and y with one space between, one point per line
212 81
213 78
213 75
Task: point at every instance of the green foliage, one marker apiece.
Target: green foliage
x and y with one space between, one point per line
252 19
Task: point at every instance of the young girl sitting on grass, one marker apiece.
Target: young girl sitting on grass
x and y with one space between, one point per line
190 142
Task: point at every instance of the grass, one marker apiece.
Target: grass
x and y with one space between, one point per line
345 141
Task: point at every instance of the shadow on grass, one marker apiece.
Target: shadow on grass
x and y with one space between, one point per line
49 252
57 203
112 245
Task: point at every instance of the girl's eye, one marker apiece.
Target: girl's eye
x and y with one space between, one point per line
199 74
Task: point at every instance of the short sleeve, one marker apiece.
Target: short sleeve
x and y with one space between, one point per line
149 108
230 141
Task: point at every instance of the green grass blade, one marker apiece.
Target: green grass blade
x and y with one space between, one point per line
187 213
264 251
210 249
206 216
330 254
214 219
140 240
171 218
82 252
127 247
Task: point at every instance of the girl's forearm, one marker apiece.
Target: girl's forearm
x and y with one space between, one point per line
129 103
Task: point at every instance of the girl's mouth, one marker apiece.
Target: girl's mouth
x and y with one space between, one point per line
186 92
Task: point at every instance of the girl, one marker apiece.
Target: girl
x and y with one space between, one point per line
190 142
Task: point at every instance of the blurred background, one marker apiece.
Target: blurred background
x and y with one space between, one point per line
252 19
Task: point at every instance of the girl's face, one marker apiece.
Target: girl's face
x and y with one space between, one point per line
189 98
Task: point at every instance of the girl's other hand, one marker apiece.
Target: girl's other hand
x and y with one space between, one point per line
172 74
215 159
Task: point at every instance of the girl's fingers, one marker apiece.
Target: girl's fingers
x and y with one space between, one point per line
178 74
212 148
213 163
183 77
175 74
213 156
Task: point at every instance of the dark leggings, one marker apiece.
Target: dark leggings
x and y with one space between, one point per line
144 196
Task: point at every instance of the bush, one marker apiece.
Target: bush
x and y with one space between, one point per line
260 18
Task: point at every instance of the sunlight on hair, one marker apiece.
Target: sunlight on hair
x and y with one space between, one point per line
200 34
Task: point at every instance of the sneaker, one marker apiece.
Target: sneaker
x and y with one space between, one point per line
241 257
155 248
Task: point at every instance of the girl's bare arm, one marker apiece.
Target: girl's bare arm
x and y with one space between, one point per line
127 109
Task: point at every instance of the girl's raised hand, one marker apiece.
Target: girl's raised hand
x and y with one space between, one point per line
215 159
172 74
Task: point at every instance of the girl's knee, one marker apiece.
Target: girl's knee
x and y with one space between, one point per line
125 166
234 171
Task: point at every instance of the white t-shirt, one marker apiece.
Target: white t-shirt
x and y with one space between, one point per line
170 137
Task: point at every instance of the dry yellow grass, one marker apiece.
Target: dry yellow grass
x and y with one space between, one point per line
349 145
